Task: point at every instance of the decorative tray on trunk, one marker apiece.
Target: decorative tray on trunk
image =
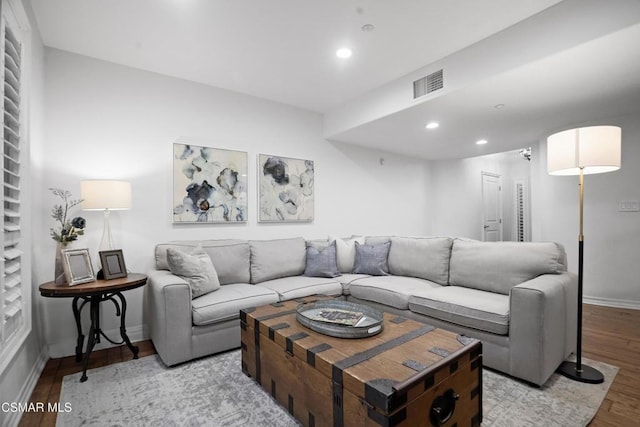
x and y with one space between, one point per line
341 319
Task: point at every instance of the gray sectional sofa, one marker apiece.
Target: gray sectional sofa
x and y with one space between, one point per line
517 298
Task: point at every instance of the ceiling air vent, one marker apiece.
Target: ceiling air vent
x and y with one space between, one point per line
428 84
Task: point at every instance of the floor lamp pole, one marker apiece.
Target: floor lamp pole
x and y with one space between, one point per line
576 370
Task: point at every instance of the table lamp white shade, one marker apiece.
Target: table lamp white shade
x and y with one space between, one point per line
594 149
108 196
102 194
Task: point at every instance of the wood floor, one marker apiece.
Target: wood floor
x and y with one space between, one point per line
610 335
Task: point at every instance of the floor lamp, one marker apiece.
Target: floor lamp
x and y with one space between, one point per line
583 151
102 195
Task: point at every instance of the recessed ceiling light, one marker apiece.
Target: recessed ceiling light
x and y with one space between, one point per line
432 125
481 142
498 106
367 28
344 52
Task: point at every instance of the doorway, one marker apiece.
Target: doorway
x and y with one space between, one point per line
491 207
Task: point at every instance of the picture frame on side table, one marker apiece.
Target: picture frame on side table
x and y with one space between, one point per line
77 266
113 266
285 189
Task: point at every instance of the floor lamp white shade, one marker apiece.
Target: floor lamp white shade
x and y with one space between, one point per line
104 195
583 151
594 149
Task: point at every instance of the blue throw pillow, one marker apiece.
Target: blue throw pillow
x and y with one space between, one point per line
372 259
321 262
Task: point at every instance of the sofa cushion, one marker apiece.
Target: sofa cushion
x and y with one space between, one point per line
321 262
486 311
423 257
372 259
393 291
498 266
346 252
302 286
271 259
226 302
230 257
196 268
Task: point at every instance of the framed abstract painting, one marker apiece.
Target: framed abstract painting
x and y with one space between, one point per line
285 189
209 185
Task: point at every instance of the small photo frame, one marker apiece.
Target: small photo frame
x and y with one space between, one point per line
77 266
113 266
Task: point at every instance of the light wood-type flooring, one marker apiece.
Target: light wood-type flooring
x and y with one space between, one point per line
611 335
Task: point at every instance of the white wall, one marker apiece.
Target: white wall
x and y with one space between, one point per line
456 205
108 121
612 238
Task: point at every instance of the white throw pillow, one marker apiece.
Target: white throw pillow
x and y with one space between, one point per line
346 252
195 268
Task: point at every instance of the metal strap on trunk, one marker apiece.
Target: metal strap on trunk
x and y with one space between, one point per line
339 367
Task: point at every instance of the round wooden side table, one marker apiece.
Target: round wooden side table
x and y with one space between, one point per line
94 293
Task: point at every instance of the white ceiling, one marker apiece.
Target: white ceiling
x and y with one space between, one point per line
284 50
587 84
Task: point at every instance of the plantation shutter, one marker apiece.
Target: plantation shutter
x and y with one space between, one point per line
522 228
12 254
520 211
15 321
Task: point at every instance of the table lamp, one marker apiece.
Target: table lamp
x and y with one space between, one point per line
103 195
583 151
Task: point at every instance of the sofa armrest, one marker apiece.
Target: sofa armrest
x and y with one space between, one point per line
542 325
170 319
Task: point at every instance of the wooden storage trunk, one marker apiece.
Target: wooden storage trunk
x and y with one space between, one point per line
411 374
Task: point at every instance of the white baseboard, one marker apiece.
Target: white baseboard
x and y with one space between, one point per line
67 347
610 302
13 418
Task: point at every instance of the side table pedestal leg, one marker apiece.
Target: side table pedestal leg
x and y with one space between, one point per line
93 332
123 331
76 316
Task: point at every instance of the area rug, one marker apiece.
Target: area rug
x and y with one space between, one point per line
214 392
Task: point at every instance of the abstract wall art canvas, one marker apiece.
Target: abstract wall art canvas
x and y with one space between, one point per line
209 185
286 190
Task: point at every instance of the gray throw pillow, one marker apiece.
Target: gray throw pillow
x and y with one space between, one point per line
321 262
195 268
372 259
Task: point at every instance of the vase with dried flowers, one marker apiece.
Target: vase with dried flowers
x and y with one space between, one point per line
69 229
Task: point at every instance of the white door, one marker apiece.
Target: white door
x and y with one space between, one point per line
491 207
